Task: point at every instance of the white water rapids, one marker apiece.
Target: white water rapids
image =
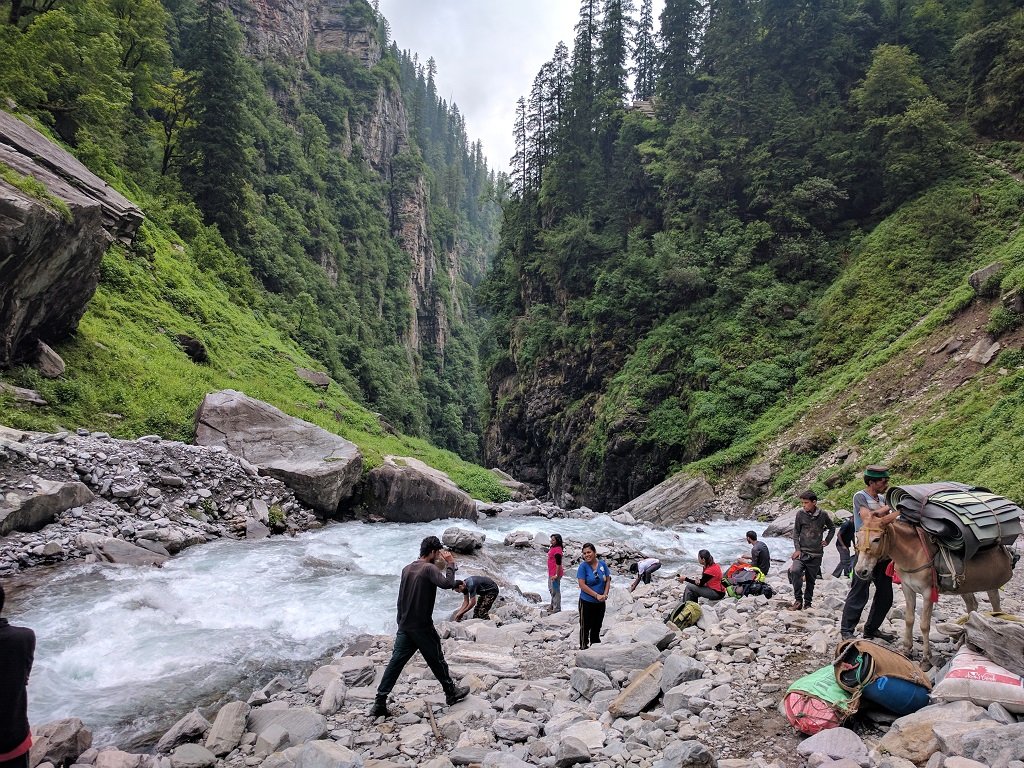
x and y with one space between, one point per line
130 650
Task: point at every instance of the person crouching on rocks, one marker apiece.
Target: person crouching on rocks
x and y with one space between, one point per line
710 585
595 582
555 573
643 570
416 632
480 591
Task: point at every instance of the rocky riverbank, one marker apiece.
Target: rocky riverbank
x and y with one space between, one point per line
648 696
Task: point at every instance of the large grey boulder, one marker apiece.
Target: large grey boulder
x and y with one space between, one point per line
319 466
227 729
303 724
687 754
108 549
32 508
638 694
404 490
671 501
327 754
192 756
50 254
192 727
59 742
462 541
609 657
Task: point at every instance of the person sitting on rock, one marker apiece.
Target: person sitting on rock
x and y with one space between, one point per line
480 591
643 571
710 585
759 556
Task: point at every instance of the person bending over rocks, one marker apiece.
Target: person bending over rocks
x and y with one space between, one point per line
17 651
808 548
480 591
643 570
710 585
416 632
595 581
555 573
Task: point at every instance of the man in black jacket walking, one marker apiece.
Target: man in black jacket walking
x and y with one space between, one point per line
17 651
416 632
809 542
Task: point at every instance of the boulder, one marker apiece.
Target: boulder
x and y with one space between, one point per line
671 501
754 481
587 682
30 509
192 756
571 751
462 541
782 526
836 743
22 395
507 729
51 252
610 658
404 490
637 695
327 754
303 724
49 364
318 379
978 279
59 742
679 668
913 736
688 754
227 729
319 466
118 551
192 727
115 758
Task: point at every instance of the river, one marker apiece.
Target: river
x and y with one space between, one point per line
129 650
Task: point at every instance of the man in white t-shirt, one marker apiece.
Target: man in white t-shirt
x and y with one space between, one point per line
643 571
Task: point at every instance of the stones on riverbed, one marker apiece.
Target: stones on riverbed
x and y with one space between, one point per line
192 727
60 742
462 541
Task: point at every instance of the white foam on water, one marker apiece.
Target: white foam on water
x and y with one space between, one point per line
130 649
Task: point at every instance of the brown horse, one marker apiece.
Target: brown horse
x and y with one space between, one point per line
913 555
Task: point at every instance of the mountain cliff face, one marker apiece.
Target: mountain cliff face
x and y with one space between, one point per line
287 30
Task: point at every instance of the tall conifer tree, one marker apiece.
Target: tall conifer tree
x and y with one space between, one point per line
681 24
645 54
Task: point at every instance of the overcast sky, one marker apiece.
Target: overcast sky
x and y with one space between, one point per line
487 53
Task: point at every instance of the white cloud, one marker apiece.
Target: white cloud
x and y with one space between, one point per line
487 54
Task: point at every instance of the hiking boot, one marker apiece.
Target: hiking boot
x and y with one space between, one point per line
796 606
881 634
457 695
380 708
846 635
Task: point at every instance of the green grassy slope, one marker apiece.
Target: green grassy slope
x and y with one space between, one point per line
127 375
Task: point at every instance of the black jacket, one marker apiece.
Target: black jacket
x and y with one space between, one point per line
17 651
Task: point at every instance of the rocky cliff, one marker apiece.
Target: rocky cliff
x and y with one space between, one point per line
287 29
56 220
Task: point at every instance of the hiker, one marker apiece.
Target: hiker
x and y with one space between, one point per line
595 581
643 571
480 591
710 585
416 632
759 556
808 549
555 573
17 651
870 500
844 540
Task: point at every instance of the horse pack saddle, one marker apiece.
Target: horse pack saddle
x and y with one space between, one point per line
961 518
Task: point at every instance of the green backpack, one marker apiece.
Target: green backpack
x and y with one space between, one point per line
684 615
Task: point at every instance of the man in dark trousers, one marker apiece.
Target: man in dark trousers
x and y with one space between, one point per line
809 542
870 501
420 580
480 591
17 650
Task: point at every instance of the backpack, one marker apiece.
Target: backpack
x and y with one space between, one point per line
881 675
743 579
684 615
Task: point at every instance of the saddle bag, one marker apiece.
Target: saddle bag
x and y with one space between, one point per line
881 675
816 702
957 576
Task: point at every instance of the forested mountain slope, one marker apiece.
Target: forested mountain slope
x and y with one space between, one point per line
310 201
715 275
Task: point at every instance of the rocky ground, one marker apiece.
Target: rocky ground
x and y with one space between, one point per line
648 695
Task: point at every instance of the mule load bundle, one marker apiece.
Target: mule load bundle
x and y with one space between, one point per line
916 534
959 517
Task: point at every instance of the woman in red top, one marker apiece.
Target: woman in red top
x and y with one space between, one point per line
710 584
555 573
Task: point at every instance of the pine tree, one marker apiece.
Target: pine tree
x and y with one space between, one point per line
216 170
682 22
519 160
645 54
